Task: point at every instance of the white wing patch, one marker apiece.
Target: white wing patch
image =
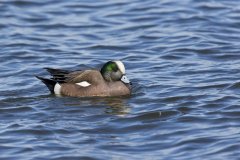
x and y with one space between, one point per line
57 89
83 84
120 66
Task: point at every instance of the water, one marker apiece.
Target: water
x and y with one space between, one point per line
182 56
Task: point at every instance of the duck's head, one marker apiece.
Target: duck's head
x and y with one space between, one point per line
114 71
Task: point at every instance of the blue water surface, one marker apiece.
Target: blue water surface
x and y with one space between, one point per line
183 58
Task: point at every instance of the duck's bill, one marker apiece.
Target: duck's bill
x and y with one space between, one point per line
124 79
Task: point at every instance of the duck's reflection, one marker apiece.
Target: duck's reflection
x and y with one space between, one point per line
112 105
117 106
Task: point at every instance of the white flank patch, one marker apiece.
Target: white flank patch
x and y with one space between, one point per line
57 89
83 84
120 66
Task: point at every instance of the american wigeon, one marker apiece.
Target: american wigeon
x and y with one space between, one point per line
109 81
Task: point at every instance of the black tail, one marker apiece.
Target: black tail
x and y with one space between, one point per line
58 75
49 83
57 72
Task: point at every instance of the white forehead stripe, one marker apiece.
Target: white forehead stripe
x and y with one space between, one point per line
120 66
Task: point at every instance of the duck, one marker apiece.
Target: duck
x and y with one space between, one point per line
109 81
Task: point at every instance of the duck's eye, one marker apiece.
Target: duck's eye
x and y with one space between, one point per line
115 69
